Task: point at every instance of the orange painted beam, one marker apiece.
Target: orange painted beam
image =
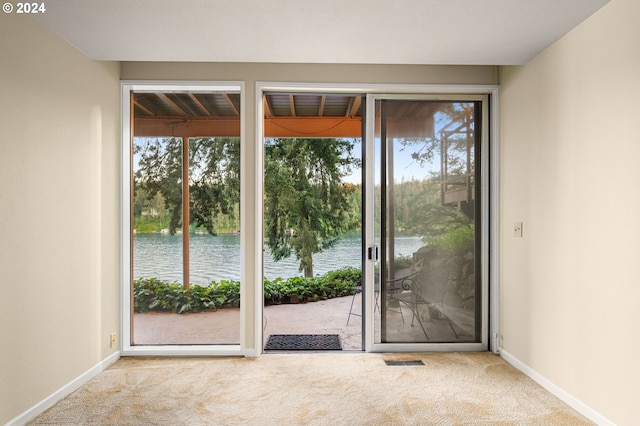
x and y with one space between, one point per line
282 127
178 126
312 127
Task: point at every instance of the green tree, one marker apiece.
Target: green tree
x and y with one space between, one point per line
453 149
214 177
429 218
214 181
307 206
159 171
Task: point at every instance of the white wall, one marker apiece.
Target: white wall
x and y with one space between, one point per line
59 213
570 155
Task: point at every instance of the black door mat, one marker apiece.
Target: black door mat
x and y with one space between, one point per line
303 342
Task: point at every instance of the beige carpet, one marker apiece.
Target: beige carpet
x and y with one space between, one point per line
312 389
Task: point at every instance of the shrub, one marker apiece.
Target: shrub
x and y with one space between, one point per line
230 290
457 241
403 262
151 294
154 295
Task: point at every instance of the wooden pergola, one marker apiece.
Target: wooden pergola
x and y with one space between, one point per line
186 114
218 115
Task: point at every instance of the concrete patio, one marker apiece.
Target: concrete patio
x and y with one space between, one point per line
322 317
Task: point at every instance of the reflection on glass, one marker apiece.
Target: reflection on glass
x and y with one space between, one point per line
425 153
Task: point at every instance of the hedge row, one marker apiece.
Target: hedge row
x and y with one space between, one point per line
151 294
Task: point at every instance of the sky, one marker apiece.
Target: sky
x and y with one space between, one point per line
405 166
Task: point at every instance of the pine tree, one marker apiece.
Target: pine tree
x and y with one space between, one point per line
307 206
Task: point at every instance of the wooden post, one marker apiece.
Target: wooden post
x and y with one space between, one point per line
185 212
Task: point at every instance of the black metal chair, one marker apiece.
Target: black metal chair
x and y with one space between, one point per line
414 293
358 289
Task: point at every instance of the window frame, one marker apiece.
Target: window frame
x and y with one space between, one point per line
490 183
126 262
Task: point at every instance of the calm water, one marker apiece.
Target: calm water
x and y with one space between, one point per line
214 258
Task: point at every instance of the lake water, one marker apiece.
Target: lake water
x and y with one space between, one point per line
214 258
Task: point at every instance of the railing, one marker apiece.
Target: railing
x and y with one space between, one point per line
457 189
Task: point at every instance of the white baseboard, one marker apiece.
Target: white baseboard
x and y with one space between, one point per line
182 350
67 389
70 387
563 395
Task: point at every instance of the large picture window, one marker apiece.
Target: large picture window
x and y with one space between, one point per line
185 251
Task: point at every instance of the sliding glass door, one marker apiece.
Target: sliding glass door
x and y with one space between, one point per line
425 223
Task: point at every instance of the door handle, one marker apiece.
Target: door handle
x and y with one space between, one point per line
372 253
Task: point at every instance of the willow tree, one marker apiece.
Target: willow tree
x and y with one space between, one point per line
307 206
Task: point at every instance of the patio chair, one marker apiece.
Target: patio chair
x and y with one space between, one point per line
358 289
415 292
391 288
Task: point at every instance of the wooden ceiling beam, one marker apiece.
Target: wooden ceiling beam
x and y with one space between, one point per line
266 104
292 105
142 107
200 105
283 127
354 106
172 104
233 107
313 127
321 106
182 127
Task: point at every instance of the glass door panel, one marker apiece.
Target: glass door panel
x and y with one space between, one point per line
185 218
426 211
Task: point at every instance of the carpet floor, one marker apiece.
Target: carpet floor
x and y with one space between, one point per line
313 389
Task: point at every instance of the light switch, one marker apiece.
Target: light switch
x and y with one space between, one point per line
517 229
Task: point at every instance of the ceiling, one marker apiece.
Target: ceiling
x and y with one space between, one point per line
466 32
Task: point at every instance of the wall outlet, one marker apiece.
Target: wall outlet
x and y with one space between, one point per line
114 341
517 229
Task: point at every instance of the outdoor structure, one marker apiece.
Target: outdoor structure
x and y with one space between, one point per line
212 114
566 119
